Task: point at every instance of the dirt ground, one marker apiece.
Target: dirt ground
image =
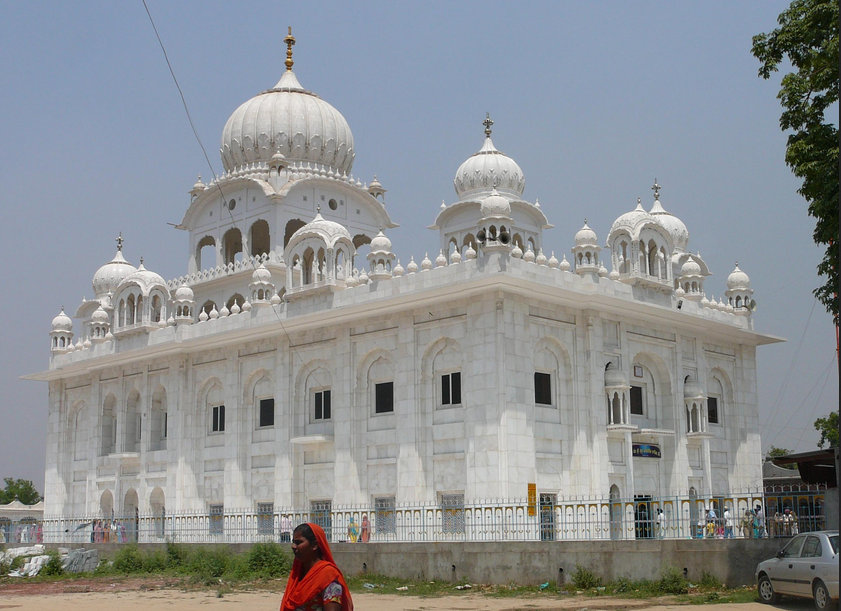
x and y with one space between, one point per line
160 594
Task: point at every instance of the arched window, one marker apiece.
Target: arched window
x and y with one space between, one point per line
260 240
132 423
206 252
121 313
291 227
232 246
108 431
157 308
159 432
130 310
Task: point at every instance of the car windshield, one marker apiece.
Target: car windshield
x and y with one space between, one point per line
833 541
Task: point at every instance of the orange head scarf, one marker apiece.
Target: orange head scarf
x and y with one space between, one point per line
302 589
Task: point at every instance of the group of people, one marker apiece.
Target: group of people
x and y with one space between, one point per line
108 531
362 535
22 533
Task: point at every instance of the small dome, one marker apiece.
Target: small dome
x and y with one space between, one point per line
691 390
62 322
488 169
495 206
630 220
290 120
738 279
380 243
328 231
262 275
184 293
690 268
586 236
109 276
99 316
564 264
613 377
144 278
672 224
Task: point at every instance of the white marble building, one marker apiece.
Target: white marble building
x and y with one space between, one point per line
300 363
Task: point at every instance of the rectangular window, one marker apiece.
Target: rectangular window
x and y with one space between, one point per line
165 423
712 410
385 523
322 405
636 400
217 418
265 518
384 397
217 521
452 514
266 412
451 388
542 388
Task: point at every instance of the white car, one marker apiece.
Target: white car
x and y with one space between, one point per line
807 567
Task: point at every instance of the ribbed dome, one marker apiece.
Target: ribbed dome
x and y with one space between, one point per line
738 279
586 236
184 293
290 120
690 268
99 316
629 220
108 277
672 224
495 206
488 169
62 322
328 231
145 279
691 390
614 377
380 243
261 274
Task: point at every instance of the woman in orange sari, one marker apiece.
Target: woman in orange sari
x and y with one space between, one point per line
315 582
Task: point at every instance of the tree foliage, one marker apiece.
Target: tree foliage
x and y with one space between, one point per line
776 452
808 39
21 489
828 428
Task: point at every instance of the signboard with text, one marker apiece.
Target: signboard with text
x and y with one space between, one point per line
645 450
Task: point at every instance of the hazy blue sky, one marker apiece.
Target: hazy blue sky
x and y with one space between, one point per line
592 99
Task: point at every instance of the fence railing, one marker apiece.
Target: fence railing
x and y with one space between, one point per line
544 518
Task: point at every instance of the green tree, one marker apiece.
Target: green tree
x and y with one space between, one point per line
808 39
828 428
20 489
776 452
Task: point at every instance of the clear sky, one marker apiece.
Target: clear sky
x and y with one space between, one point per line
592 99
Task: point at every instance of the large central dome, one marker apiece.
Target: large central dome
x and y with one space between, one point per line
290 120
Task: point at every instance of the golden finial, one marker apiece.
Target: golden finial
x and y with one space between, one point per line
289 40
487 123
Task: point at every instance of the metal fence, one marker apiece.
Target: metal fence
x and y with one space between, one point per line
543 518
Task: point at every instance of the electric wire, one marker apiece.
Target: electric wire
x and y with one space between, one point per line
212 171
775 408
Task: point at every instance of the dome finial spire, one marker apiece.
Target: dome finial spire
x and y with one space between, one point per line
289 40
487 123
656 188
119 241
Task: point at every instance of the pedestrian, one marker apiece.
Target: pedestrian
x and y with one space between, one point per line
315 582
728 523
760 522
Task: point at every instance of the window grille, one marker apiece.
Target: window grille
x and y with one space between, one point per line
217 521
452 517
265 518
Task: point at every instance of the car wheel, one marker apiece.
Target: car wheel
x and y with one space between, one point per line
766 590
821 594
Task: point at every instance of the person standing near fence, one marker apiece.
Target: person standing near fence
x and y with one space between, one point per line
365 534
285 529
659 524
759 521
728 523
